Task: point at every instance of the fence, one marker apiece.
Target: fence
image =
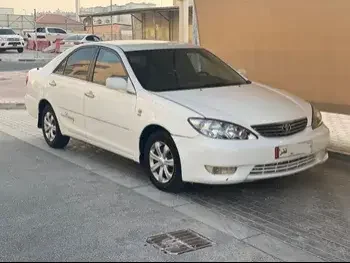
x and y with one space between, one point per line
17 22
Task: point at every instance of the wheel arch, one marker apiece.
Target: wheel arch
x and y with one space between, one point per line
145 134
42 104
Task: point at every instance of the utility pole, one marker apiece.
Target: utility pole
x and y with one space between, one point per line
36 35
111 20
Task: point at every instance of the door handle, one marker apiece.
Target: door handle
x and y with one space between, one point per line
52 83
90 94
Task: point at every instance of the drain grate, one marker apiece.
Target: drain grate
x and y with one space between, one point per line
179 242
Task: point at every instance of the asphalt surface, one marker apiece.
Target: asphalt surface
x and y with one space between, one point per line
53 210
19 66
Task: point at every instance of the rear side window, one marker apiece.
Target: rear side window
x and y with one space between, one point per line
60 69
79 62
89 38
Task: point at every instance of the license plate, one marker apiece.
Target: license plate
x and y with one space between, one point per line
293 149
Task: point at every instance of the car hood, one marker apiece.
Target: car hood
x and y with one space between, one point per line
246 105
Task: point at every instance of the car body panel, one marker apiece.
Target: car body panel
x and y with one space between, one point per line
115 119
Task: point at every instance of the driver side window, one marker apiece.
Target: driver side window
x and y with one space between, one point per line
108 64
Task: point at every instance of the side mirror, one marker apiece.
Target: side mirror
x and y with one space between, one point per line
119 83
242 72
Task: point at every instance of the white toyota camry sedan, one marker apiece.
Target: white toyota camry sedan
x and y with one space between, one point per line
178 110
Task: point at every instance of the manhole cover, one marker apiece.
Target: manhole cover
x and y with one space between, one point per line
180 242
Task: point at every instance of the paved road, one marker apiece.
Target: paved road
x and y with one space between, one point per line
18 66
53 210
303 217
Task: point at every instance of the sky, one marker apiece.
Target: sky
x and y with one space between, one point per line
27 6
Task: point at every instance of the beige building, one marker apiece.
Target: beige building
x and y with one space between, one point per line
297 45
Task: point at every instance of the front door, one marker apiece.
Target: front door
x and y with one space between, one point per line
109 114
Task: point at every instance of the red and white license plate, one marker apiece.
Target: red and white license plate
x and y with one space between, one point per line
293 149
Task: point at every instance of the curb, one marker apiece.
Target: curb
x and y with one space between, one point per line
12 106
339 155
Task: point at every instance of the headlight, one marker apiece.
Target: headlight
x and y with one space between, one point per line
316 118
217 129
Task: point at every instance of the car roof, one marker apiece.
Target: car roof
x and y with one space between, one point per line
139 45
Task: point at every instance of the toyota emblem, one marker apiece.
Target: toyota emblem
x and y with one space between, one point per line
287 127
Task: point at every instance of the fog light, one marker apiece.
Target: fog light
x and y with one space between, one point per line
220 170
2 44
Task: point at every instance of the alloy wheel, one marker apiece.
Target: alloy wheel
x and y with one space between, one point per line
161 162
50 127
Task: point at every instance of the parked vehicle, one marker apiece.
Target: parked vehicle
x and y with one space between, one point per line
10 40
77 39
177 109
49 33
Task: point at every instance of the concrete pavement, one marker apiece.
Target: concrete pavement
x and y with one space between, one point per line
53 210
12 89
303 217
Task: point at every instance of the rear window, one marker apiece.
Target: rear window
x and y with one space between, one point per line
7 32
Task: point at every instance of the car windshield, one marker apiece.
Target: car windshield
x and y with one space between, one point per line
75 37
181 69
7 32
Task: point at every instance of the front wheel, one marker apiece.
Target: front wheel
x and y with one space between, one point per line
51 129
20 50
162 162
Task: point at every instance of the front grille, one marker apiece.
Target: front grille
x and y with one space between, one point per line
14 43
13 39
282 128
284 166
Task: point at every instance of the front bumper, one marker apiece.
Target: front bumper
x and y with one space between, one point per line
252 158
11 44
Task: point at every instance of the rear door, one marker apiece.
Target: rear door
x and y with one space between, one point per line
67 86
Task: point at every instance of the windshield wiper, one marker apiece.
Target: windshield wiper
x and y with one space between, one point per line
211 85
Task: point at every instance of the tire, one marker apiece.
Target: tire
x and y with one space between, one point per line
51 129
164 182
20 50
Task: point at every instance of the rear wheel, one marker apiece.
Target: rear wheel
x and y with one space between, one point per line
51 129
162 161
20 50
